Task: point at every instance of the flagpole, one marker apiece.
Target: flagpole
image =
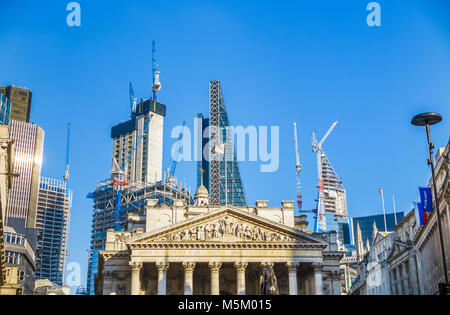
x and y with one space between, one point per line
395 210
384 210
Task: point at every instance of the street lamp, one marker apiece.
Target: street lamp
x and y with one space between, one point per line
427 120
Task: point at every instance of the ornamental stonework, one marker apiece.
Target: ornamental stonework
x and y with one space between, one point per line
226 229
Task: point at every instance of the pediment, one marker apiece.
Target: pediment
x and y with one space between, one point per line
228 225
397 248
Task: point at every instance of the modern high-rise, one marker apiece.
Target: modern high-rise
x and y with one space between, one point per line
145 163
5 109
218 164
335 194
21 102
52 223
366 225
140 149
22 201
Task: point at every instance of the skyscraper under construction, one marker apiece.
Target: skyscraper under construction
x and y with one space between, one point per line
217 166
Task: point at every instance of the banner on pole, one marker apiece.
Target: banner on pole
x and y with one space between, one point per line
426 199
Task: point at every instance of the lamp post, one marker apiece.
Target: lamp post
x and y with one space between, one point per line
427 120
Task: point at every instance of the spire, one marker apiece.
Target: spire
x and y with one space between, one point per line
367 245
359 243
374 231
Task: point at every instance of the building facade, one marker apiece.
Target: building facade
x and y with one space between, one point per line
5 109
6 178
20 102
144 164
204 249
22 201
52 222
403 266
427 242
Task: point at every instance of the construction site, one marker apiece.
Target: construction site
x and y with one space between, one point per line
137 173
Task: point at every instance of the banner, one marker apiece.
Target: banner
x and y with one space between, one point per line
421 216
426 199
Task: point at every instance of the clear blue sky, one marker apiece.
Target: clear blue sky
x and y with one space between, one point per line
313 62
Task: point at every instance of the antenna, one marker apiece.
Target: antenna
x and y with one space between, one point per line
67 173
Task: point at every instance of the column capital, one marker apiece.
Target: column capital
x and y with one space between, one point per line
241 266
162 266
292 266
215 266
189 266
317 266
136 266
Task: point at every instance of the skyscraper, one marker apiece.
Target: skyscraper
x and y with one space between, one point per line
366 224
20 102
52 222
22 201
219 165
5 109
145 163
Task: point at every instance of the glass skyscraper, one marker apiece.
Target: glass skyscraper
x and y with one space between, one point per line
366 224
5 109
218 163
52 222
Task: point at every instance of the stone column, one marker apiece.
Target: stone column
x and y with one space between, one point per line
240 268
306 284
215 266
392 282
318 278
188 277
399 281
136 268
162 277
292 270
405 279
413 272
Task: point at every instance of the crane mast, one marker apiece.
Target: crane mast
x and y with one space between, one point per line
298 171
67 172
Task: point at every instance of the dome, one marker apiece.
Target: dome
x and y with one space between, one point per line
202 196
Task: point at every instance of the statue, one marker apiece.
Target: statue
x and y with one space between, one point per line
268 281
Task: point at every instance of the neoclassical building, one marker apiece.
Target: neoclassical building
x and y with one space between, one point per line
210 250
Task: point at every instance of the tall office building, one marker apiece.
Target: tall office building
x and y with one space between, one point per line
219 165
335 194
22 201
5 109
145 163
366 224
52 222
21 102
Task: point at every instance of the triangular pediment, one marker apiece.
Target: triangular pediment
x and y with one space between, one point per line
397 248
228 225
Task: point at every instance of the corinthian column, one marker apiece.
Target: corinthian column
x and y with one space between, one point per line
240 268
162 277
136 268
188 277
318 278
292 270
215 266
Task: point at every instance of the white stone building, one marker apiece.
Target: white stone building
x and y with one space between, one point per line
205 250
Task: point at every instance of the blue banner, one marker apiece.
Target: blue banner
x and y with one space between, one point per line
426 199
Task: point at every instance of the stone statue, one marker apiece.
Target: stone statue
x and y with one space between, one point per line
268 281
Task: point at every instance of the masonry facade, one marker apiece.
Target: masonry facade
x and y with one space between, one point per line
211 250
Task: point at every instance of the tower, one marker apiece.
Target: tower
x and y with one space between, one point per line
221 171
20 102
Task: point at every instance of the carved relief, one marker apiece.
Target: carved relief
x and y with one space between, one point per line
227 227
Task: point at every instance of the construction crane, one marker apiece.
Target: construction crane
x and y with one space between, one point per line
119 182
67 173
321 223
156 83
133 100
299 170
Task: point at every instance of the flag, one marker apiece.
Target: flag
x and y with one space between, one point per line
421 216
426 199
381 190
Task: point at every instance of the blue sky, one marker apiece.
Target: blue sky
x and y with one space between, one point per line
313 62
